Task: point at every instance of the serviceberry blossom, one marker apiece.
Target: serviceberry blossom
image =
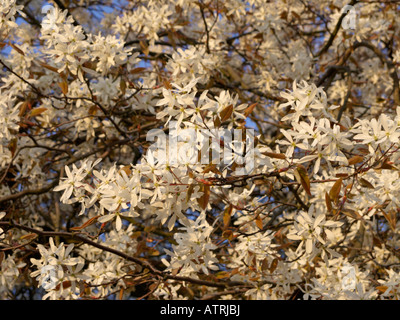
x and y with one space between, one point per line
179 149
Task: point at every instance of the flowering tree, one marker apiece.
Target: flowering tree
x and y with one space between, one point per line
199 149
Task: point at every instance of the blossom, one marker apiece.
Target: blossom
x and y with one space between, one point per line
71 182
309 228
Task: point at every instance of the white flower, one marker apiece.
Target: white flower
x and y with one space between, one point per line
72 181
2 234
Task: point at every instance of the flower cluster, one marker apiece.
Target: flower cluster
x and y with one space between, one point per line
174 149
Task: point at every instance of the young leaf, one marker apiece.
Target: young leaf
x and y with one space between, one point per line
227 215
203 200
64 87
274 265
275 155
302 177
226 113
355 160
86 224
249 109
37 111
259 223
366 184
328 202
335 190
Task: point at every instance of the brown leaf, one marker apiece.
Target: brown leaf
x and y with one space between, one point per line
189 192
274 265
386 165
137 70
352 214
23 107
228 234
259 223
211 168
45 65
391 219
167 84
145 47
226 113
64 87
127 169
227 215
28 236
264 264
302 177
203 200
16 49
249 109
122 86
364 183
335 190
86 224
223 275
217 122
382 288
12 145
37 111
355 160
328 202
275 155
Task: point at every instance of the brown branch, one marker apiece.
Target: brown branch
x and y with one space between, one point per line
143 263
335 31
